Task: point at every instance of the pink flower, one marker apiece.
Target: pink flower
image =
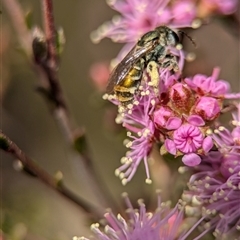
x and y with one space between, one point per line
222 6
141 136
184 11
138 17
178 118
166 109
216 184
99 72
207 107
188 138
209 85
228 143
162 224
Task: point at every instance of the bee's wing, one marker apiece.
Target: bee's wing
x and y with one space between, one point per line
122 69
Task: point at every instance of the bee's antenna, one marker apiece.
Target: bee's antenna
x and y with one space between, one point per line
190 38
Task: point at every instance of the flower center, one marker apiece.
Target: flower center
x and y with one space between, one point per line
188 138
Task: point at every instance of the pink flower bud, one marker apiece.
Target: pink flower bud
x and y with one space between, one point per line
208 108
181 97
164 117
161 115
99 73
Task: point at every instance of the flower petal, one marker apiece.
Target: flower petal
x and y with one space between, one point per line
173 123
191 159
196 120
170 146
207 144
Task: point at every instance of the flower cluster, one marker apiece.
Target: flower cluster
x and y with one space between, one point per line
140 16
168 109
217 182
178 117
165 223
176 113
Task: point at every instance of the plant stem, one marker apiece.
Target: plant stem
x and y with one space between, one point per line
50 65
50 31
47 72
32 167
61 111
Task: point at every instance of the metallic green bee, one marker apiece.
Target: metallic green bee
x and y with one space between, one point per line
153 46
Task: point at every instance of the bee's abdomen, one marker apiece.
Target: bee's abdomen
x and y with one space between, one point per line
127 88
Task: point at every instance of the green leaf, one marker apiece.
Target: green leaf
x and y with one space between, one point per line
60 40
29 19
3 143
80 144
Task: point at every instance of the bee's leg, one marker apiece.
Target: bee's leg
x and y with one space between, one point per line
153 66
142 63
160 53
171 63
156 55
153 72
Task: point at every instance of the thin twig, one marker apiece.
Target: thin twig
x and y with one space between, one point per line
32 167
61 111
50 31
50 65
47 69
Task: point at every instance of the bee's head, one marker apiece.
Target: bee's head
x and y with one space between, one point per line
168 36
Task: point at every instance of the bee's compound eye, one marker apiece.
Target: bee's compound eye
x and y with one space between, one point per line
172 38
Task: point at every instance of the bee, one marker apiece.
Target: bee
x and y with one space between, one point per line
125 78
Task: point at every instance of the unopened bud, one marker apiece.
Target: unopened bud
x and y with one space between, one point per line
39 45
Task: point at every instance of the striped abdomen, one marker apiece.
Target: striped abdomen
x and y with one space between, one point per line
127 88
